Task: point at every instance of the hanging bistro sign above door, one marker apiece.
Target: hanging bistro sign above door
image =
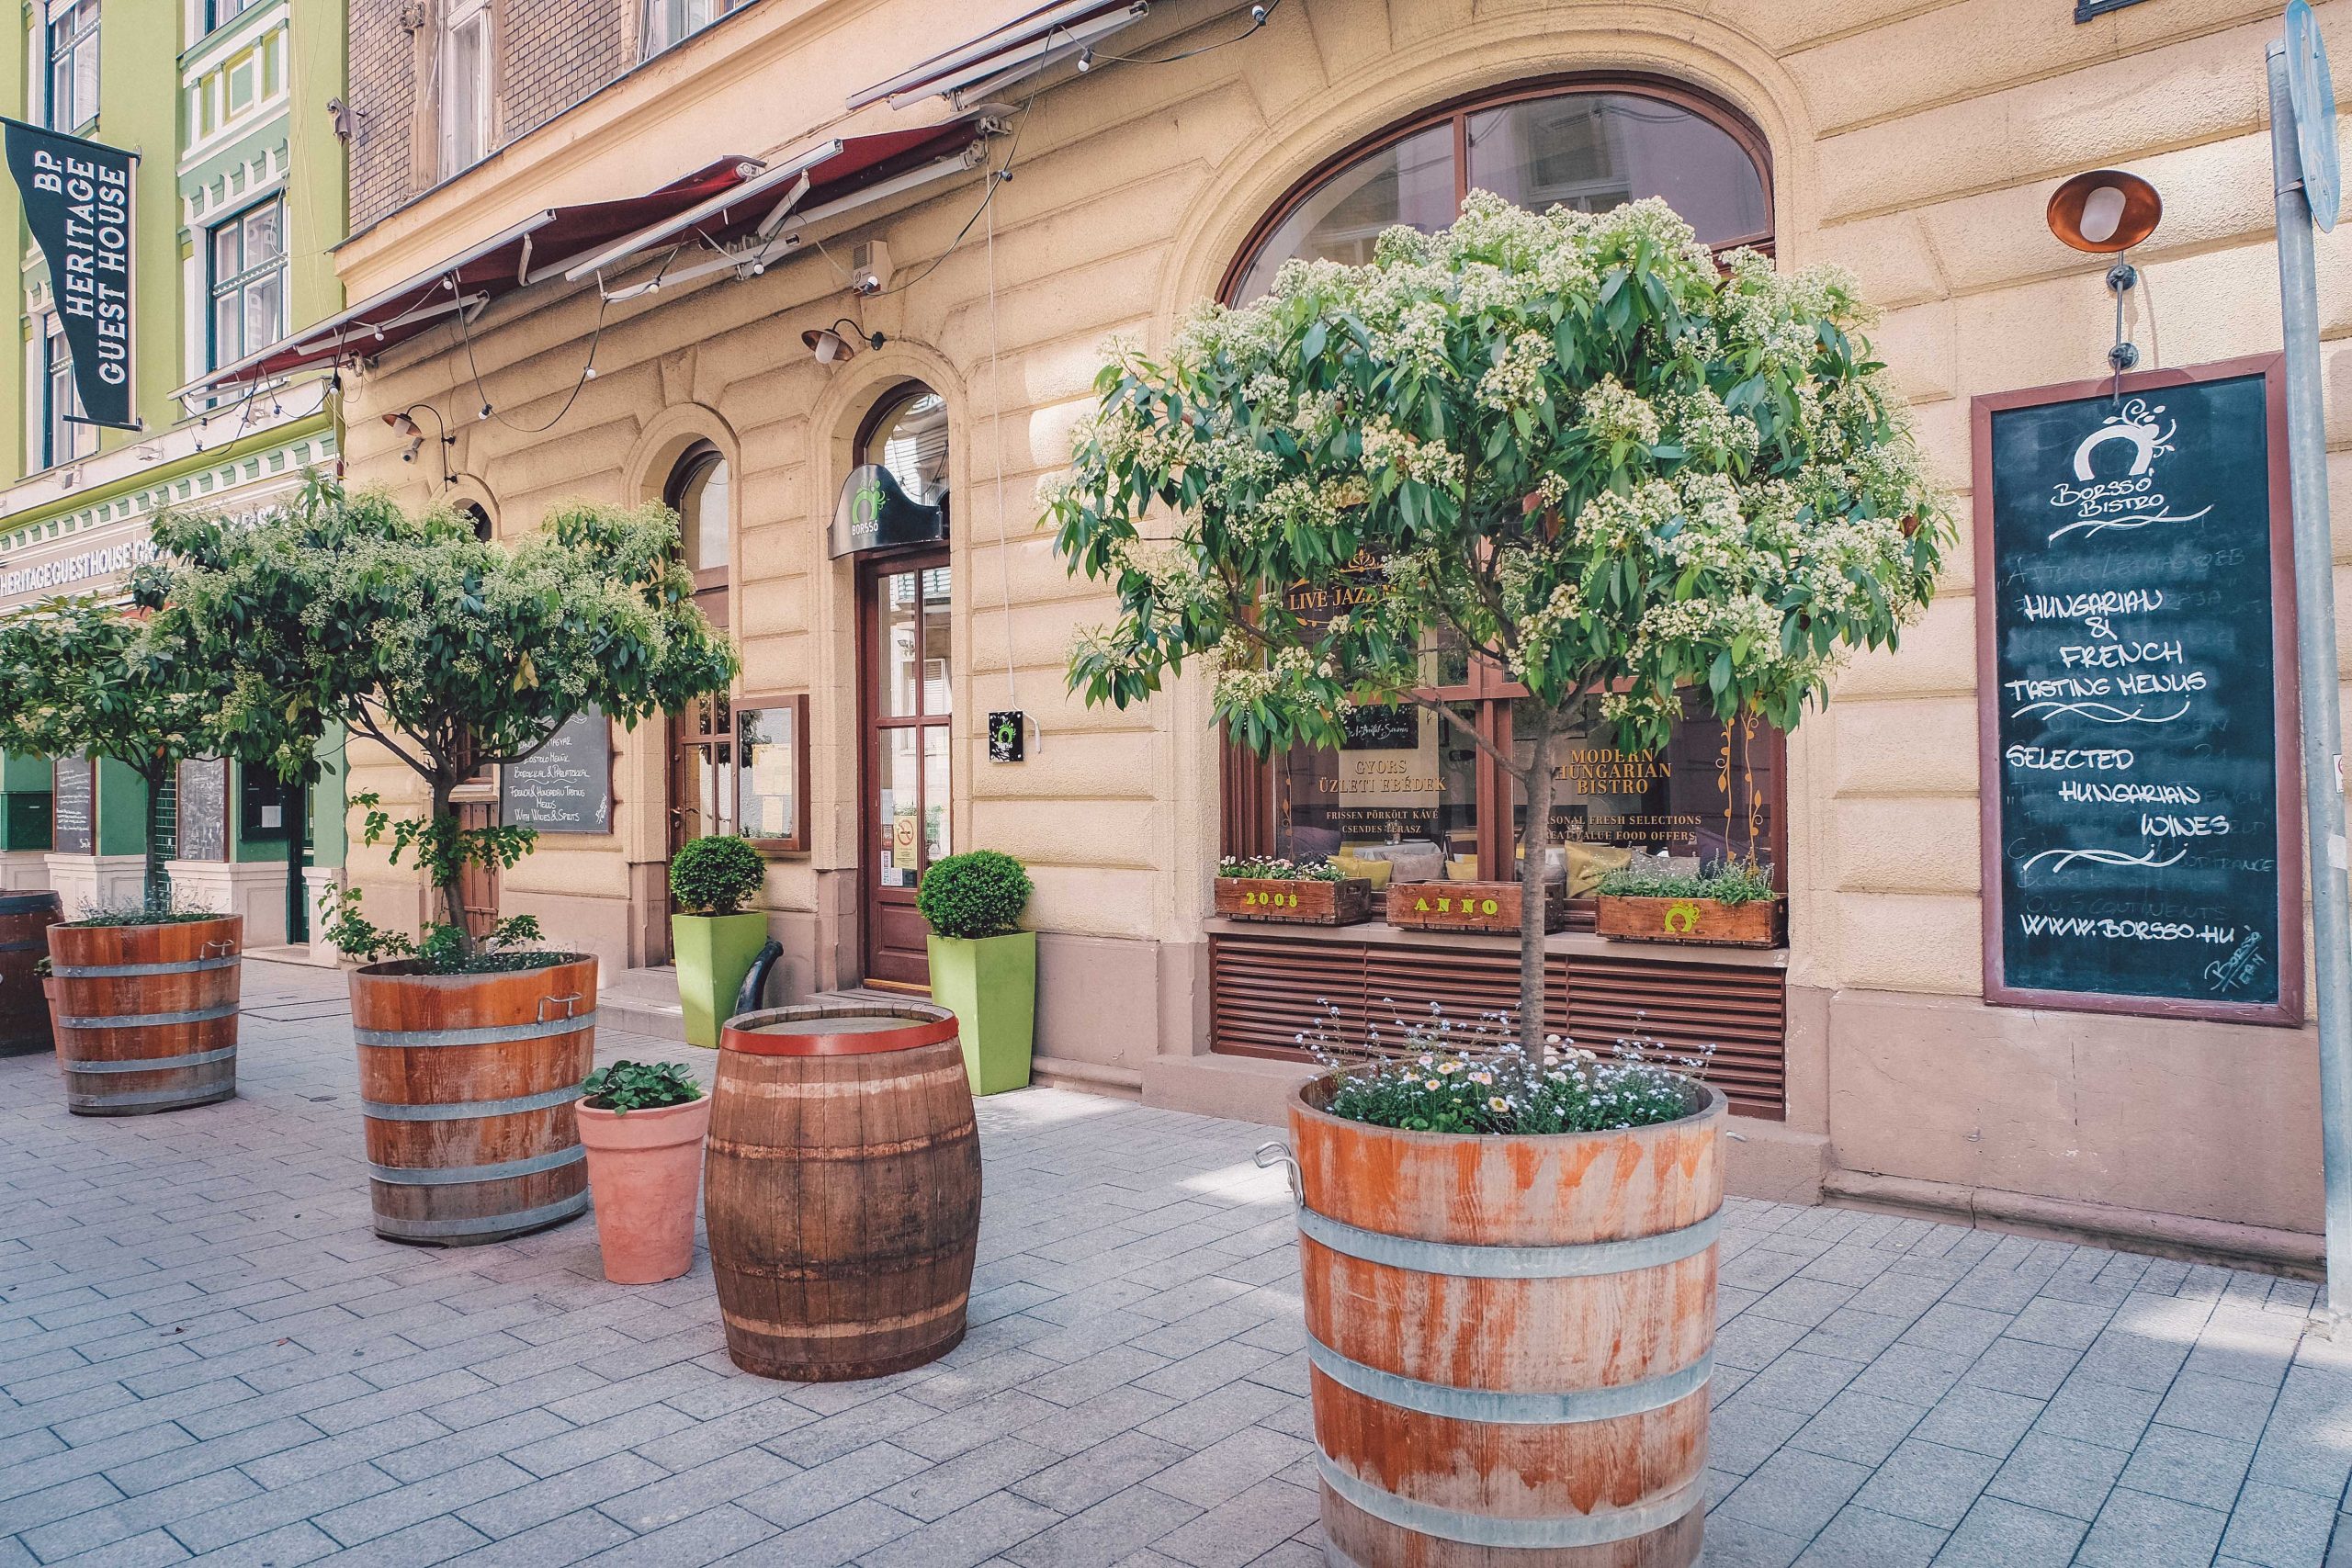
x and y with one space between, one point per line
874 513
2136 696
76 198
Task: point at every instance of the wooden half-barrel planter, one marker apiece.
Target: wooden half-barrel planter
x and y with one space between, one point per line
146 1015
25 919
1759 922
842 1189
1491 907
1300 901
466 1083
1509 1338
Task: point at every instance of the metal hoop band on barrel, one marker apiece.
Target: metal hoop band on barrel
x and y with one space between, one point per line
491 1034
464 1175
1485 1529
469 1109
117 971
528 1219
151 1020
1509 1408
1479 1261
198 1096
149 1064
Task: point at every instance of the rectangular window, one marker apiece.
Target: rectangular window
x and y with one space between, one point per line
665 22
63 440
466 56
73 65
221 13
248 280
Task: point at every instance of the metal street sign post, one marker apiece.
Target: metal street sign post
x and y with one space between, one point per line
2304 165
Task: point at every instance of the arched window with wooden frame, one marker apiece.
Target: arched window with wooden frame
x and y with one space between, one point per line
701 759
1410 779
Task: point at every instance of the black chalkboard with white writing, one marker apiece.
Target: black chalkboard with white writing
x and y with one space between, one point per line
2137 710
566 786
74 800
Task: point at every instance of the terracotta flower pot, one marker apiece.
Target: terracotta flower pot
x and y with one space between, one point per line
645 1171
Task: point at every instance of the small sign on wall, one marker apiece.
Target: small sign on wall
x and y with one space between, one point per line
1007 735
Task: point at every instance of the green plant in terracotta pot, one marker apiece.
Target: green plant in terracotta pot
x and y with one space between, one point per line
712 937
983 965
643 1125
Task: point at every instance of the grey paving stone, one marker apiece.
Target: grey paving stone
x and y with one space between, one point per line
823 1489
1800 1380
1794 1493
1121 1524
1861 1428
2096 1412
1110 1467
2058 1475
1741 1543
1230 1466
971 1534
1982 1420
567 1492
1928 1483
1234 1532
708 1537
566 1539
2022 1367
943 1489
702 1487
2223 1407
2188 1466
2001 1534
2139 1530
2277 1527
1863 1538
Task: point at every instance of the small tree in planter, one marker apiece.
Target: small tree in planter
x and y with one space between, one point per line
1573 444
81 676
983 965
713 938
453 653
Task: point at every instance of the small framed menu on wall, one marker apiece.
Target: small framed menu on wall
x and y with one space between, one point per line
2136 696
204 808
771 772
74 799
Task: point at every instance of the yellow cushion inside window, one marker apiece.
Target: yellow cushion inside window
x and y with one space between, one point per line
1372 871
1461 868
1588 864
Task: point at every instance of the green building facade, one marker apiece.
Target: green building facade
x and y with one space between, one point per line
238 198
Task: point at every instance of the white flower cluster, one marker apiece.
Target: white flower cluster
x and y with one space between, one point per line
1615 413
1516 379
1385 446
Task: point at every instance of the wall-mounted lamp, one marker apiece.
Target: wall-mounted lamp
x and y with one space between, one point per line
831 346
403 424
2105 213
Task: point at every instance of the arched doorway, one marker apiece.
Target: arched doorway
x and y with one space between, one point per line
906 694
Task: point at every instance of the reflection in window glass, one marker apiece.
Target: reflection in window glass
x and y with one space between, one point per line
701 511
1409 181
1706 797
1595 150
1406 778
910 440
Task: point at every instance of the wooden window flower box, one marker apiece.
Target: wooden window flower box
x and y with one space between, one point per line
1761 922
1299 901
1489 906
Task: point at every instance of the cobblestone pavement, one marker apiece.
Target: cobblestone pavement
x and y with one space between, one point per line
205 1353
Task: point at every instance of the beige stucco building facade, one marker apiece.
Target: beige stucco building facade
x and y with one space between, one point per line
1914 143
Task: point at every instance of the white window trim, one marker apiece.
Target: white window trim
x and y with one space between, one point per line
459 14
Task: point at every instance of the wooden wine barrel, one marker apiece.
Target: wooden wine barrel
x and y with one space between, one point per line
1510 1339
466 1082
146 1016
842 1189
25 919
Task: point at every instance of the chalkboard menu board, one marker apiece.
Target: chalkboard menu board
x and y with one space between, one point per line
567 785
2136 693
74 798
204 809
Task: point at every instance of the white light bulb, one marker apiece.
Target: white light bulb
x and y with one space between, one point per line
2102 214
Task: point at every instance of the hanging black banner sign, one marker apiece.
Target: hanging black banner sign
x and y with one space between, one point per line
874 513
77 202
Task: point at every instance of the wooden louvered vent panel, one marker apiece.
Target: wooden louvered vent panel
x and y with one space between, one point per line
1278 996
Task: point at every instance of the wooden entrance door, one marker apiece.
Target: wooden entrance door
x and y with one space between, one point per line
702 771
906 684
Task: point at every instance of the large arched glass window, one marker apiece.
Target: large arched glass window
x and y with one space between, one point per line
697 493
1414 787
1586 146
907 433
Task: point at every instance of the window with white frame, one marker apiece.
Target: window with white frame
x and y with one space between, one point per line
221 13
662 23
63 439
466 56
248 281
72 64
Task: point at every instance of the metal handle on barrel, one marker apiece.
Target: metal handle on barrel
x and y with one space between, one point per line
1270 1154
567 1002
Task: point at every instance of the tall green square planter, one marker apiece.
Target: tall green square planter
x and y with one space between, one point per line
991 985
713 954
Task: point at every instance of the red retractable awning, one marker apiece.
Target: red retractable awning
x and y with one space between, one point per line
538 247
1021 47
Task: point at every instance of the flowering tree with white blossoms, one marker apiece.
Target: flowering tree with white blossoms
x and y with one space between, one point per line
1577 446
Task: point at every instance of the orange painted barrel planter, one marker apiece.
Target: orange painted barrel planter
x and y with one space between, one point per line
466 1083
842 1189
146 1016
25 919
1510 1339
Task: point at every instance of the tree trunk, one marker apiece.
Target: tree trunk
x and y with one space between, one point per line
155 888
453 901
1534 846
